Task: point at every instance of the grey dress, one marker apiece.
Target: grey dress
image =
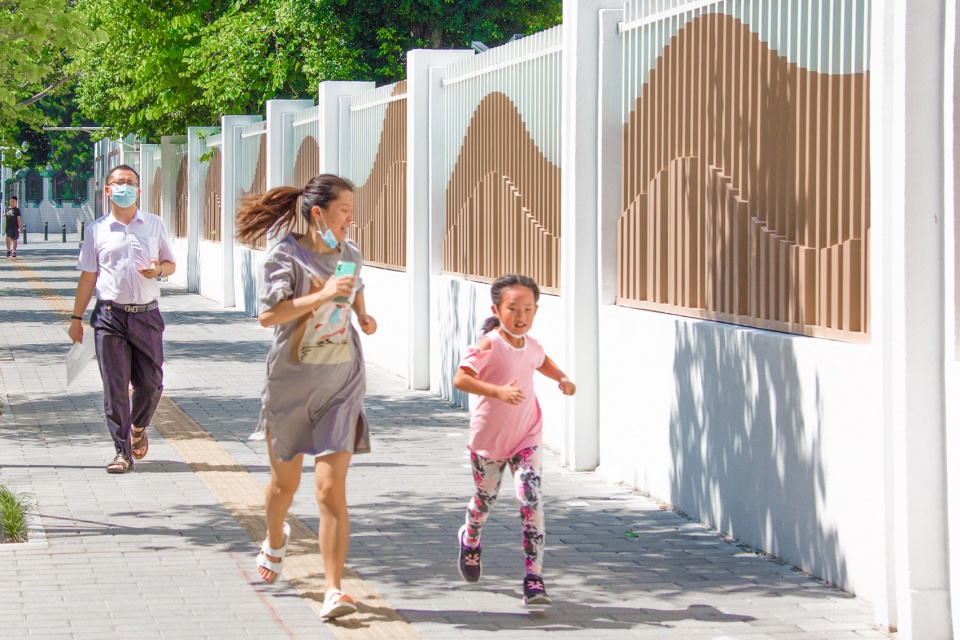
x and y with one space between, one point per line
312 400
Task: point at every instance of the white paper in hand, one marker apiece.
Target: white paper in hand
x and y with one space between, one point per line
80 355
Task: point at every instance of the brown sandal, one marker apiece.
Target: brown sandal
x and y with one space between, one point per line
120 465
140 444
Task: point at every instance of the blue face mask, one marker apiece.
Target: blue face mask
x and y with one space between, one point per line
327 236
123 195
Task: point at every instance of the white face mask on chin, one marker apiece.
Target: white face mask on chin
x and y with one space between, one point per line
512 335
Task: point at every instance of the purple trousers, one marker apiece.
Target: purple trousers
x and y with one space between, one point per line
130 351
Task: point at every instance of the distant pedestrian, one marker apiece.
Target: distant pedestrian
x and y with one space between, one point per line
312 401
506 428
122 255
13 223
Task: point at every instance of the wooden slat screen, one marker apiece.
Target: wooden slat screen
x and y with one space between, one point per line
503 140
306 134
157 184
181 228
747 164
378 131
253 149
213 197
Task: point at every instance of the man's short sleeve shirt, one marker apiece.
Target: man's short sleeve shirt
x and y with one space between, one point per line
117 252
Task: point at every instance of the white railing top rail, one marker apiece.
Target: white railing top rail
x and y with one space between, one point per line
254 129
656 14
830 36
377 97
537 45
306 116
216 140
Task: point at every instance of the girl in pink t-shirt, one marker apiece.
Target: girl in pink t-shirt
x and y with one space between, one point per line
506 428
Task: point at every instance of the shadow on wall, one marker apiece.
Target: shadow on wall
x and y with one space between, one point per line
746 458
248 282
454 336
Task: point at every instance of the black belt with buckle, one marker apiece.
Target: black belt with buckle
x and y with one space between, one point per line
132 308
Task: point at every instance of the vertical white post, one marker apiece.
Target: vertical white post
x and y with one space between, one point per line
911 211
146 177
419 62
195 148
610 149
332 124
579 271
951 295
280 151
231 128
169 167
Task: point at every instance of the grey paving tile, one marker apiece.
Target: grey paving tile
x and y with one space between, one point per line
159 537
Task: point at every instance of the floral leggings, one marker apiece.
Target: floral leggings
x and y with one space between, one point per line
487 474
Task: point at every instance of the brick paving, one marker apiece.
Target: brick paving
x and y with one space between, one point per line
157 553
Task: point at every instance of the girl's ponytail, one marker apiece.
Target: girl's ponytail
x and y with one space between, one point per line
489 325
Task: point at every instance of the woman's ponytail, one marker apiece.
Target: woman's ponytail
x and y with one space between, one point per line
277 209
261 212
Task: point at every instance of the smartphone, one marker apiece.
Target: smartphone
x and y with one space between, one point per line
344 269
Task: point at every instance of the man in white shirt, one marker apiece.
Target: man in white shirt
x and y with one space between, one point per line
122 255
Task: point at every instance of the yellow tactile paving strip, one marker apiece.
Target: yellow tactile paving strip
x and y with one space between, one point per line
240 493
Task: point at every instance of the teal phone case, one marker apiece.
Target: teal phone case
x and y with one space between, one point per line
344 269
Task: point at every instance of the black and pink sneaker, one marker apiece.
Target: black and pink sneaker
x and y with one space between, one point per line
534 592
469 562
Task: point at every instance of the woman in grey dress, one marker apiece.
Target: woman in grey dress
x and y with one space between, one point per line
313 395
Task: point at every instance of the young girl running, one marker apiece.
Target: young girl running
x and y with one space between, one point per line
506 428
313 395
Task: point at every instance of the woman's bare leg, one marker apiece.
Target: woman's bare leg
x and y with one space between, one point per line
284 482
331 475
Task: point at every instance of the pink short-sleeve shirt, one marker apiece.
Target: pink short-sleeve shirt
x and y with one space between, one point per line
498 430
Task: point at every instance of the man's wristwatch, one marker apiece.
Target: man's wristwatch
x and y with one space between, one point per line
161 271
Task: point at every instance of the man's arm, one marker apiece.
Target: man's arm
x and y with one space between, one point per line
85 287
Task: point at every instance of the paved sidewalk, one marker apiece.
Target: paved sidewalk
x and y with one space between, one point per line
156 554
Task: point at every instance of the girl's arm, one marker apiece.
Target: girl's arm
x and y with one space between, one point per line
287 310
467 381
550 369
367 322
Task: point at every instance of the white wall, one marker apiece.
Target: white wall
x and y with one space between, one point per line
69 214
775 439
246 265
210 270
385 294
180 248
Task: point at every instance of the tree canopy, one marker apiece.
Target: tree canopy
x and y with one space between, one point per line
155 67
382 32
168 64
37 37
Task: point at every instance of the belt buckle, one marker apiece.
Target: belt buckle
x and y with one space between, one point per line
130 308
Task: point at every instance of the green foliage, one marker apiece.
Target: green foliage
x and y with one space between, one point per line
36 38
256 51
135 80
382 32
13 516
71 151
169 64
